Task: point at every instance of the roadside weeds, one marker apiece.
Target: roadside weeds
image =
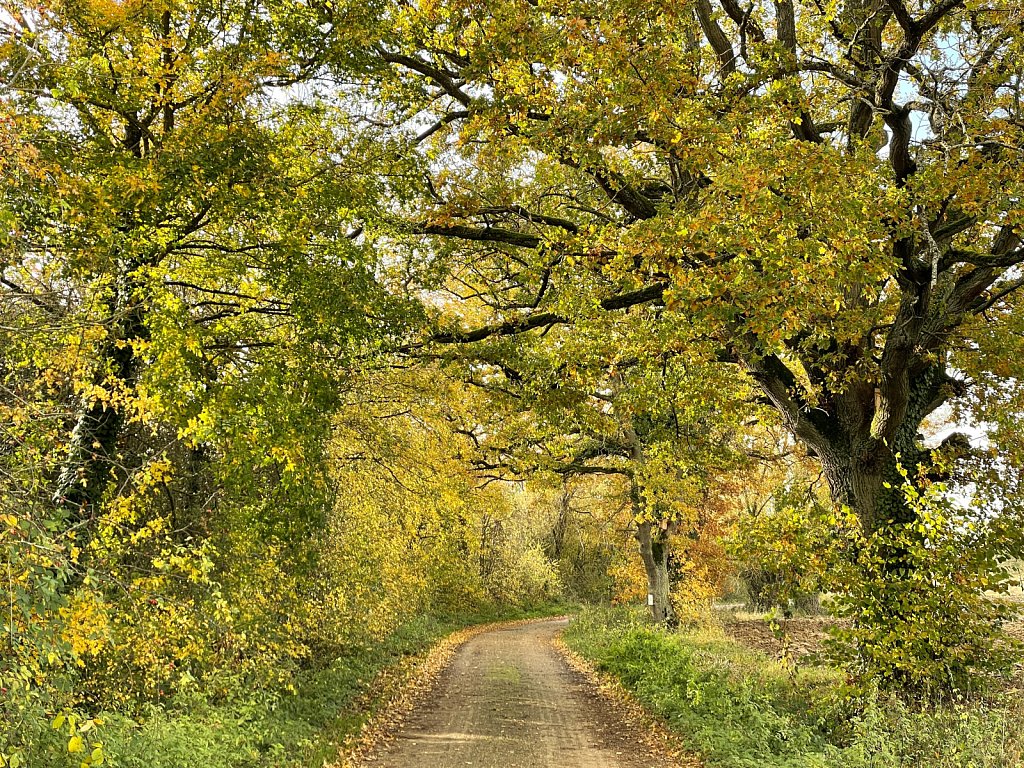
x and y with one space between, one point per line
651 731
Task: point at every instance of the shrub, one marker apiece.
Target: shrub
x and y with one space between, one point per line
913 596
782 552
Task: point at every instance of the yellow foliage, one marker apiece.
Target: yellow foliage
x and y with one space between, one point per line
86 624
630 578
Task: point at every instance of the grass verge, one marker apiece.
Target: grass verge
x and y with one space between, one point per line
740 709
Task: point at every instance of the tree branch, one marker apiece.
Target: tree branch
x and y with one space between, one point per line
715 36
451 117
520 211
903 17
443 79
478 234
652 293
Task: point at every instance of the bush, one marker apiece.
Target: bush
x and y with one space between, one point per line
301 729
918 621
782 552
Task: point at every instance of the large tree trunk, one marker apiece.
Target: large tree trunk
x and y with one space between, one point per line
866 477
866 437
871 484
654 549
92 447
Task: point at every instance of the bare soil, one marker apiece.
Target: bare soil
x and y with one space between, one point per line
509 700
799 638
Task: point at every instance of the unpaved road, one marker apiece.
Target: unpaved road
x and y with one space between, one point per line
509 700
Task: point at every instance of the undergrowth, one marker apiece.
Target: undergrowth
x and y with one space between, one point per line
303 729
741 709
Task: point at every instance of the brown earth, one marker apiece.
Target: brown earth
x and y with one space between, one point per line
510 700
800 639
797 639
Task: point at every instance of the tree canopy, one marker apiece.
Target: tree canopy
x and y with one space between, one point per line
826 195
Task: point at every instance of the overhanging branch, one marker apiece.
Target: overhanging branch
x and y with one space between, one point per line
652 293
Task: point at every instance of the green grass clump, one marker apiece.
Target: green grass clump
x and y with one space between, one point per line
741 709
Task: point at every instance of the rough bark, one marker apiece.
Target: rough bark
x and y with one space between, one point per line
654 549
865 473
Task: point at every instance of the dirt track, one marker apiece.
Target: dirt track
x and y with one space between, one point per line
508 700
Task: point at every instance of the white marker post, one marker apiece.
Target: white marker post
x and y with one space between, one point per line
650 599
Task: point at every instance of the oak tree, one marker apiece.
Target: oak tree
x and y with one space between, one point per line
825 194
